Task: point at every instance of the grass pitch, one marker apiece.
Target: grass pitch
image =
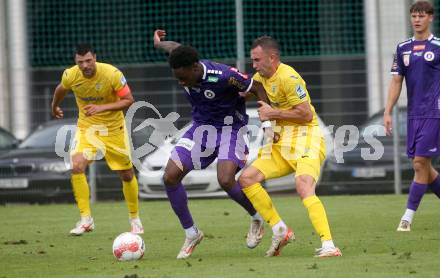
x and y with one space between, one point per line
34 241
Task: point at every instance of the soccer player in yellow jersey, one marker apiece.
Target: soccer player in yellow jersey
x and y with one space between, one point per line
101 93
299 148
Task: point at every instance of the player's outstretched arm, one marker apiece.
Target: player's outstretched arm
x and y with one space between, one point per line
58 97
166 46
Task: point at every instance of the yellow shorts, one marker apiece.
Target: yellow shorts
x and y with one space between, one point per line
303 154
95 144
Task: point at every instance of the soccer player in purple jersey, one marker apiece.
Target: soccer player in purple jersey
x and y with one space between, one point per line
218 131
418 61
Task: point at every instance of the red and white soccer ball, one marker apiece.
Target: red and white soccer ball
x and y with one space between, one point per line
128 247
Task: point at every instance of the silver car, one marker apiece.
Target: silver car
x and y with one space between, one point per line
203 183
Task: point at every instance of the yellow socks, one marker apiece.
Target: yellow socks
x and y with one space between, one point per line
262 203
130 189
318 217
82 193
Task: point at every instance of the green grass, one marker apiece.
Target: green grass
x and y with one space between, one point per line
34 241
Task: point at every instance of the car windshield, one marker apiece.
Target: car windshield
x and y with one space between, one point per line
6 140
43 137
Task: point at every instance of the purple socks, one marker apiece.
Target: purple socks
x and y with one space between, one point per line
237 195
416 192
435 186
179 203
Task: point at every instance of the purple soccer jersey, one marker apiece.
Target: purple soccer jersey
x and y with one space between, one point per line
419 63
218 95
202 144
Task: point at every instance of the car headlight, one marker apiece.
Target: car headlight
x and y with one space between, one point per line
58 167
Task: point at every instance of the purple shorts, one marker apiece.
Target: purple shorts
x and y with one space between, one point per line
423 138
202 144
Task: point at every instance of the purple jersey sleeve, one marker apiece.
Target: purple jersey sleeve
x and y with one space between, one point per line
240 81
397 67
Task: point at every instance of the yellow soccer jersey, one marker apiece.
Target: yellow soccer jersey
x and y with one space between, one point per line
285 89
102 88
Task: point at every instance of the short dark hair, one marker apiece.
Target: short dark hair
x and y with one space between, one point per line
422 7
183 56
83 48
266 42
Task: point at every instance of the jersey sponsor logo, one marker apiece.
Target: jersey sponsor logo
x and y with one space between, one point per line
274 88
185 143
234 82
209 94
293 76
91 98
212 79
406 59
429 56
433 150
418 53
419 47
123 81
215 71
300 91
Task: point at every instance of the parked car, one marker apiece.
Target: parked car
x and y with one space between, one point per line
203 183
7 141
34 172
358 175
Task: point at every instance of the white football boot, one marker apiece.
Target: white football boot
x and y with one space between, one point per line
279 241
136 226
255 234
189 245
84 225
404 226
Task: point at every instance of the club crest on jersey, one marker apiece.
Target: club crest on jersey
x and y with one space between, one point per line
429 56
98 86
209 94
406 59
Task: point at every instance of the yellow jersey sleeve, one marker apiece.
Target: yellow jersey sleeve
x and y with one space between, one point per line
118 80
295 90
66 79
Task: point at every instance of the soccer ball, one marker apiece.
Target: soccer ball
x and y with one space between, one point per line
128 247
